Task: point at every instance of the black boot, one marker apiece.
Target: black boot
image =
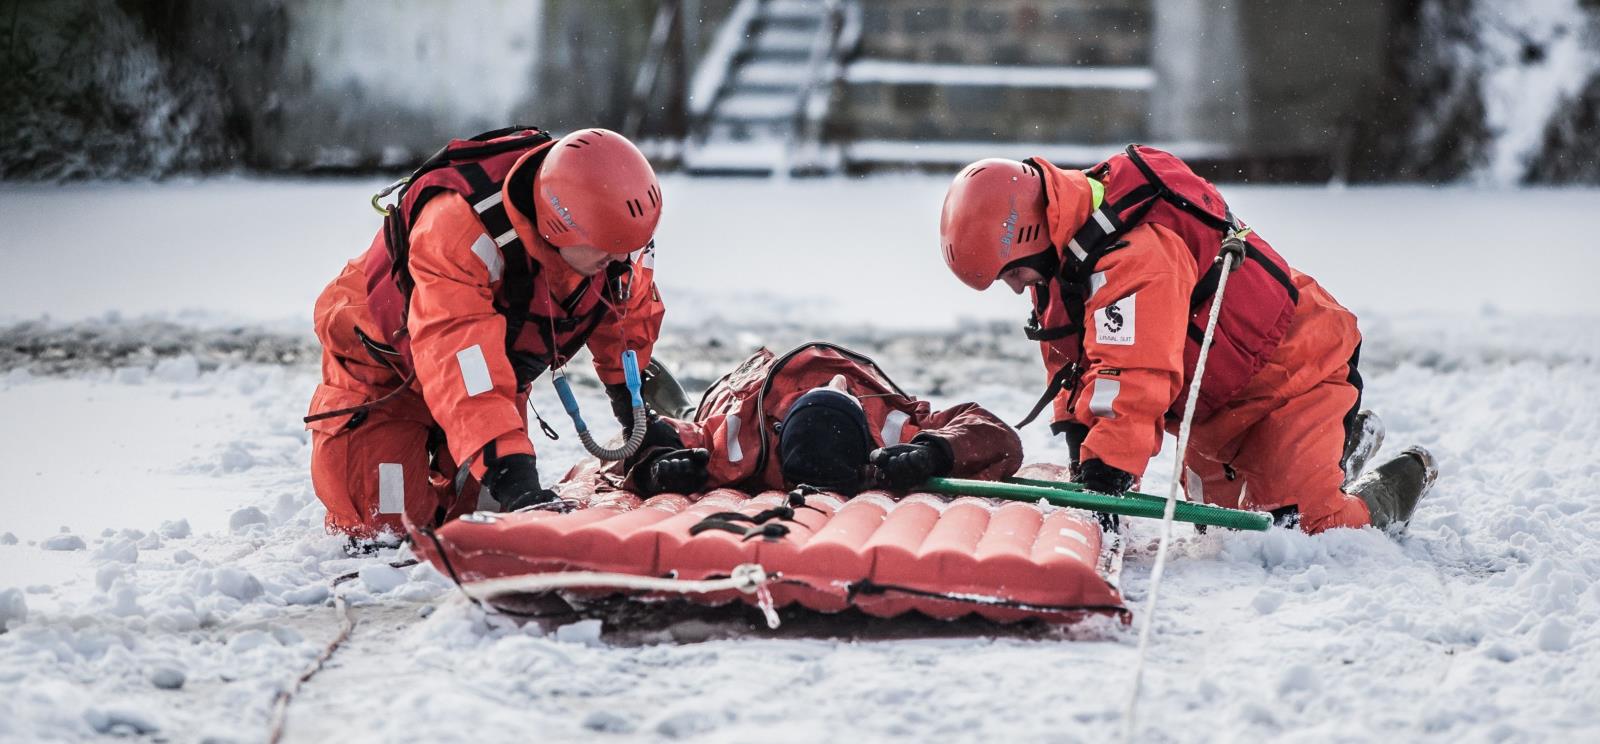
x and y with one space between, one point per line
1394 488
1365 437
663 394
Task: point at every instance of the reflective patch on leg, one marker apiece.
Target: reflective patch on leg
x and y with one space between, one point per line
1194 485
1105 394
894 427
391 488
474 370
735 452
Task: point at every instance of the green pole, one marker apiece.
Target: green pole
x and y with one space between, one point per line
1073 495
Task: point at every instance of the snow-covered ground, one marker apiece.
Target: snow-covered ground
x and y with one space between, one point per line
163 570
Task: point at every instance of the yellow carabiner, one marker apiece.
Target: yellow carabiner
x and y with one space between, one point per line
387 190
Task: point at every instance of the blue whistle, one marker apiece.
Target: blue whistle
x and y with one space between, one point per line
569 402
630 374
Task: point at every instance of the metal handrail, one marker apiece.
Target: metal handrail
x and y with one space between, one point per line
823 46
644 82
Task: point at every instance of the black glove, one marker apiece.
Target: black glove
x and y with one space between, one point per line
905 466
1102 478
678 471
513 481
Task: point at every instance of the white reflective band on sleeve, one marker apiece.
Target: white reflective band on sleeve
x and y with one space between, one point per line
487 203
1194 485
735 452
1105 393
391 488
507 237
894 427
1105 222
489 254
1096 281
474 370
1077 250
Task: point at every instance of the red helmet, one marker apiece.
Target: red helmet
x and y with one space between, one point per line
993 215
595 188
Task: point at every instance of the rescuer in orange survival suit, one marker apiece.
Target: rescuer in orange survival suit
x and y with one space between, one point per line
505 254
824 416
1121 261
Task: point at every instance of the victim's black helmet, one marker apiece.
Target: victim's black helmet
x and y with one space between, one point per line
824 441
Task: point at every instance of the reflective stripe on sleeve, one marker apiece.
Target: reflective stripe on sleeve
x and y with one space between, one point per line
1096 281
735 452
391 488
1105 393
474 370
894 427
488 202
489 254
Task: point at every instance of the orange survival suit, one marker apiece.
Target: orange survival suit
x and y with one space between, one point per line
737 420
1120 328
428 352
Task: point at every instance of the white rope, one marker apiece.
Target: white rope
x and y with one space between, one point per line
747 578
1129 716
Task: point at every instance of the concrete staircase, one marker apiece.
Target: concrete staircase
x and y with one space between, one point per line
762 91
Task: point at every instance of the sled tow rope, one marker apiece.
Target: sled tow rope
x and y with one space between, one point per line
347 625
1231 255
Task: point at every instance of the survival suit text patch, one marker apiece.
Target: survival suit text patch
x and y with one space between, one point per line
1113 324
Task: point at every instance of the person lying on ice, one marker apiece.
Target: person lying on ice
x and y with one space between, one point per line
823 416
1120 260
502 258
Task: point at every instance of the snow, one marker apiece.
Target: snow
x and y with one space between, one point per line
198 582
1010 76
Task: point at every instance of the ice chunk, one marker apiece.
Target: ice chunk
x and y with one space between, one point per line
237 458
245 517
175 530
168 676
8 539
183 368
1268 601
183 556
236 583
107 574
381 577
13 608
120 720
586 632
609 722
309 594
65 541
121 551
1554 635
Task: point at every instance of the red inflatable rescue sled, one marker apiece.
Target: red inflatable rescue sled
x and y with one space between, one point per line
883 555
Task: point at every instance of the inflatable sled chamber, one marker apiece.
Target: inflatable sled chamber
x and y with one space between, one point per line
1005 561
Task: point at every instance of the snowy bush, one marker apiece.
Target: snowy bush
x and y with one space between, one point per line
88 94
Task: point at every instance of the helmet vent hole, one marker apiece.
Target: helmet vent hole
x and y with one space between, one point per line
976 171
651 192
556 228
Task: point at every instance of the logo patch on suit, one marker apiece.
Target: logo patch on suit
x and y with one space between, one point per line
1113 324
